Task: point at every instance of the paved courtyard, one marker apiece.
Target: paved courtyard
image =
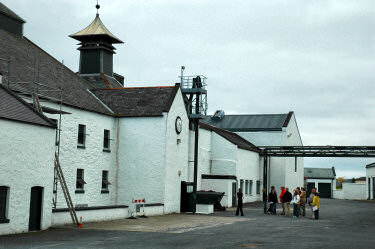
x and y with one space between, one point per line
343 224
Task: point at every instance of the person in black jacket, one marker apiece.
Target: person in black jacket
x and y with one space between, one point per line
239 198
287 199
272 198
264 200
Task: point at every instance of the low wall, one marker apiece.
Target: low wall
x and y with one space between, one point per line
150 209
351 191
89 214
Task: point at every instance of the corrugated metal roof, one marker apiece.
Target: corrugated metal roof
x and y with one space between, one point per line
255 122
14 108
5 10
232 137
138 101
320 173
96 28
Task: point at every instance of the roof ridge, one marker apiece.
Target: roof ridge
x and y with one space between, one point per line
140 87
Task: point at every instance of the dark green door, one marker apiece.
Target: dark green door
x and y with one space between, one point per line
324 190
234 193
310 186
35 208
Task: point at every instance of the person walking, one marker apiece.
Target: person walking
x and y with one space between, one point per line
316 205
272 198
295 201
303 201
287 198
281 199
264 200
239 201
310 201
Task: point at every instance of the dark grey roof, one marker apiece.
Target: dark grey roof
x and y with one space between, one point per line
14 108
253 122
320 173
102 81
5 10
25 57
138 101
231 137
370 165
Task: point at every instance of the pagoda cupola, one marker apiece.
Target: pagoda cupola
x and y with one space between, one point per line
96 48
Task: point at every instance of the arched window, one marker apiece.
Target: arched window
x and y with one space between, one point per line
4 192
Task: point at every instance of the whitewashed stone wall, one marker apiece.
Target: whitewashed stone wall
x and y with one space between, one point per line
282 170
92 159
354 191
224 156
370 179
26 160
248 169
177 149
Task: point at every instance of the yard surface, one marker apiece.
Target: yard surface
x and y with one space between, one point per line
343 224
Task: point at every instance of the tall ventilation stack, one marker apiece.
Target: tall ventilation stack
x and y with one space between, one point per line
194 91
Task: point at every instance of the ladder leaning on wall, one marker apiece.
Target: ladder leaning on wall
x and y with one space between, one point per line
65 190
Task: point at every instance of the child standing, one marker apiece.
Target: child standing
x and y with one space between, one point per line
316 205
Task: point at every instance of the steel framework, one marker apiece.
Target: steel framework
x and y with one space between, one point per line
319 151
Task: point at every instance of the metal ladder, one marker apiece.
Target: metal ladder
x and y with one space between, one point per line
65 191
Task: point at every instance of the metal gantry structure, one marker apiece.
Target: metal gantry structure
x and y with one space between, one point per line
194 91
311 151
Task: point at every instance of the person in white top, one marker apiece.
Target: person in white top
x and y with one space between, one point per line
296 203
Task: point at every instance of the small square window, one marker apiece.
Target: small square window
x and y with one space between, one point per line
81 135
105 181
246 187
258 187
107 139
80 180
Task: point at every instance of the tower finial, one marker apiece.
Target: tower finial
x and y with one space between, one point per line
97 6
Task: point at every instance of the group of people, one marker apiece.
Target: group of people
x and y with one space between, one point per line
298 199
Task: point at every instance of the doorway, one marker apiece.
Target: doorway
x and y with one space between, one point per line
35 208
234 193
324 190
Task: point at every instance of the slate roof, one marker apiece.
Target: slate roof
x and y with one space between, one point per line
102 81
232 137
5 10
320 173
25 57
14 108
138 101
371 165
96 28
253 122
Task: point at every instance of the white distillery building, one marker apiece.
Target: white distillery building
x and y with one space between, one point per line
323 179
28 145
226 162
370 181
268 130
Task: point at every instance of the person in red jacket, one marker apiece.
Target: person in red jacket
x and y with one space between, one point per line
281 199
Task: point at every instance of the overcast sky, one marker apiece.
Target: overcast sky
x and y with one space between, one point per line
316 58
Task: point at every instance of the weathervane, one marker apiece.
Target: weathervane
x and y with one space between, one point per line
97 6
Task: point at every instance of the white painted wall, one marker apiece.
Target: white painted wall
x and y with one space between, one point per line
223 156
26 160
370 179
61 218
354 191
92 158
176 168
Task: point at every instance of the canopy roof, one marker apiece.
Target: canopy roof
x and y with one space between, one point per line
96 28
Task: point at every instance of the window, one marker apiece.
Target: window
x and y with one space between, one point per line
3 204
251 187
246 187
81 136
105 181
106 141
258 187
295 164
80 181
241 185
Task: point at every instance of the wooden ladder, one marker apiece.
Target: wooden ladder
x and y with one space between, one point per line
65 191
